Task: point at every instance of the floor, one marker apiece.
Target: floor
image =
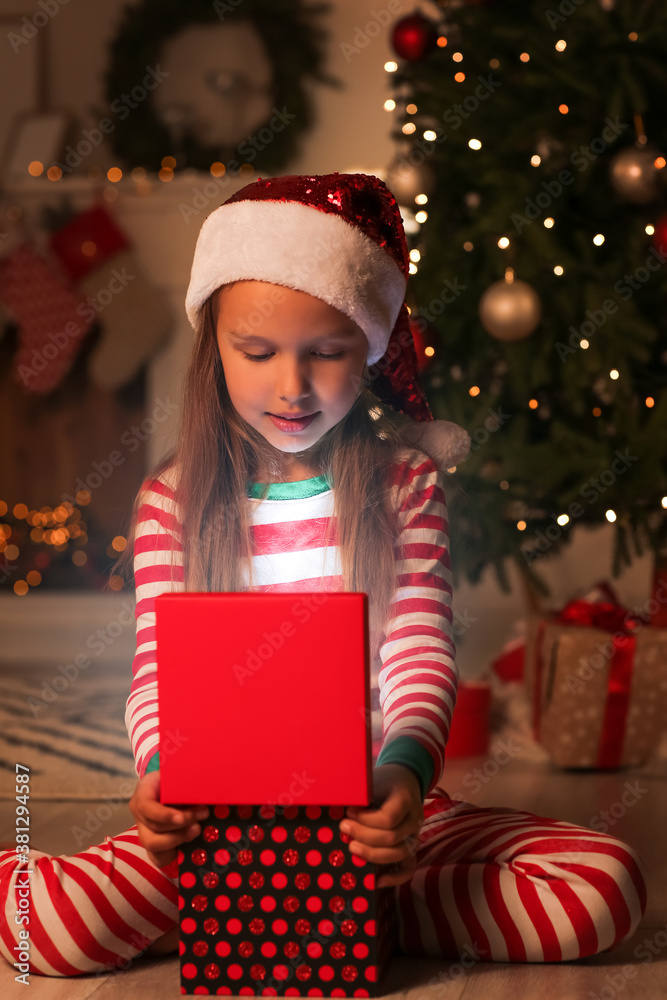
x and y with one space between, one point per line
524 783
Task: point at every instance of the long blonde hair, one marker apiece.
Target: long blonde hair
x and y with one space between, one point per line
217 453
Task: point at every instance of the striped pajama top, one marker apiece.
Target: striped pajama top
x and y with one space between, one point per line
294 549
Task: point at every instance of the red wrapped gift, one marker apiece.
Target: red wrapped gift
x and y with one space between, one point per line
597 679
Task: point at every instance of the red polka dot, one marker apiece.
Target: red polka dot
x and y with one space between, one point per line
279 833
246 948
267 812
200 948
244 857
360 950
268 903
315 992
291 812
199 902
255 880
233 833
188 926
336 812
246 991
199 857
210 880
292 991
314 904
256 926
325 834
325 972
267 857
245 903
224 991
280 971
369 928
234 971
348 880
291 949
337 950
181 947
336 858
348 927
234 926
361 993
188 880
257 971
222 856
290 856
338 992
279 926
212 971
359 904
313 857
233 880
189 971
349 973
314 949
256 834
269 991
302 927
325 881
244 812
181 902
222 812
211 926
302 880
359 862
369 882
313 812
279 880
223 948
302 834
202 989
325 927
268 949
371 973
291 904
336 904
211 833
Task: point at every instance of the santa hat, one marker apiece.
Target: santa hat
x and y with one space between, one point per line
340 238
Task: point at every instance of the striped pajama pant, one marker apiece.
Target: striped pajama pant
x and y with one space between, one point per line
491 884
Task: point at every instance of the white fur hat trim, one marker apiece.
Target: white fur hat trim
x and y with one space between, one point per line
304 248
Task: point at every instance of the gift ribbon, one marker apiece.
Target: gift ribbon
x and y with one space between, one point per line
609 616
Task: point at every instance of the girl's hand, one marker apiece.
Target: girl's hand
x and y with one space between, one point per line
162 828
388 835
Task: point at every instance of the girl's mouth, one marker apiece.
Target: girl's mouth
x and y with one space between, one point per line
293 424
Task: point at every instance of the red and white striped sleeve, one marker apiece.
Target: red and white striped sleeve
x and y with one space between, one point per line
158 568
418 678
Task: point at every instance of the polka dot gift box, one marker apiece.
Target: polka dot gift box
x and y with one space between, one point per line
273 903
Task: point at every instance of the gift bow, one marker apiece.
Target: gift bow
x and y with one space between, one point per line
610 616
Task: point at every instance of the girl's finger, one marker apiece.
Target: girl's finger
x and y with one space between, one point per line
158 842
380 837
380 855
397 874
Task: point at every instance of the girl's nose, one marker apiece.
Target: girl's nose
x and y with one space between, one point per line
294 382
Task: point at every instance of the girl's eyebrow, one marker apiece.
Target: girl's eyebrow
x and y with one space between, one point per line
248 338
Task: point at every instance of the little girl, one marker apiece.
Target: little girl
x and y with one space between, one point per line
299 468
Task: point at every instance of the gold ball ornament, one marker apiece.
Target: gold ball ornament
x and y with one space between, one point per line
510 309
406 180
634 175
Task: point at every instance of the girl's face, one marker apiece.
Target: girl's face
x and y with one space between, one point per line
292 363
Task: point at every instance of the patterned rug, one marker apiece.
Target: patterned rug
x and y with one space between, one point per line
75 744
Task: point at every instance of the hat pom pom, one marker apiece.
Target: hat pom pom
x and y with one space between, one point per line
442 440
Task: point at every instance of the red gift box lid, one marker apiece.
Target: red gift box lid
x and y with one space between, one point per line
264 698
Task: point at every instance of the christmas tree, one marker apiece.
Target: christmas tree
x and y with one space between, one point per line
531 176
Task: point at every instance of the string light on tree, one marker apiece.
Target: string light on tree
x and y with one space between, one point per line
510 309
635 174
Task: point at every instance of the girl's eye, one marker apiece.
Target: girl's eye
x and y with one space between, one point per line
319 354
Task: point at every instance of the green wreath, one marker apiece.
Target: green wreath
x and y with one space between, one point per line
295 45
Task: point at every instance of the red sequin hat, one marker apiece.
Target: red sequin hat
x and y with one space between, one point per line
338 237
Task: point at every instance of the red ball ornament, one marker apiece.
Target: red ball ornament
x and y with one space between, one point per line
412 37
424 342
660 235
